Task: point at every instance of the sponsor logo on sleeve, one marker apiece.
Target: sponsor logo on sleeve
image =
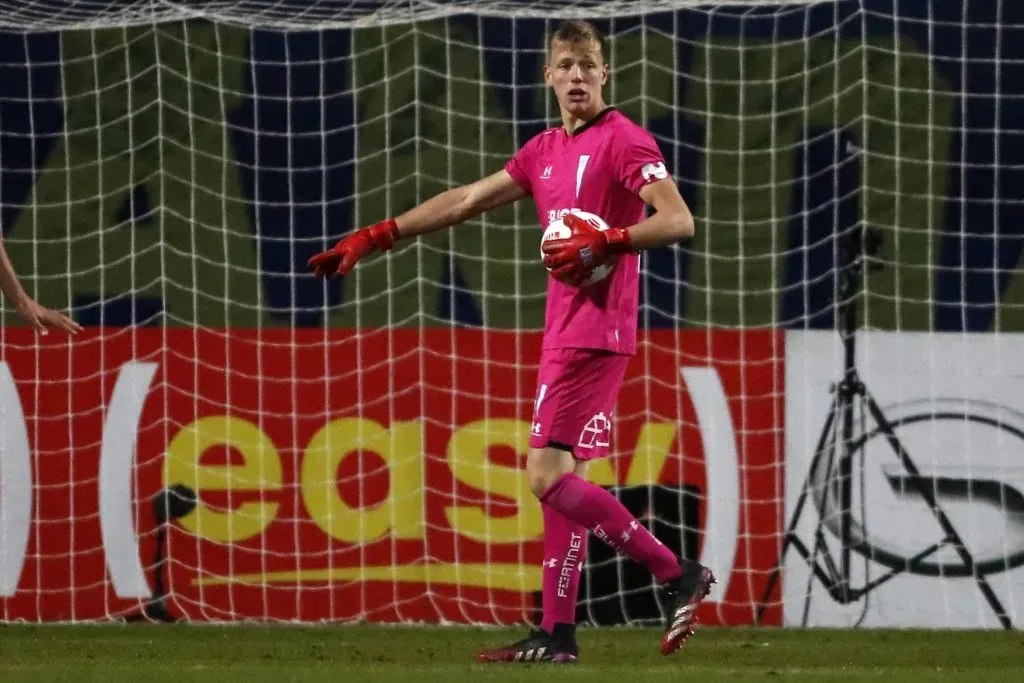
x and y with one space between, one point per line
654 170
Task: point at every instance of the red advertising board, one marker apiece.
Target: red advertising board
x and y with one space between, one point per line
347 474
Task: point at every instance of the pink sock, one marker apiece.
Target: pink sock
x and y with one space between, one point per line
602 513
565 550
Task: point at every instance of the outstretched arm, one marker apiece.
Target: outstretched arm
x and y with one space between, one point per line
459 204
37 316
440 211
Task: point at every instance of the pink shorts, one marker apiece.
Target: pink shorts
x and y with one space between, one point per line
576 393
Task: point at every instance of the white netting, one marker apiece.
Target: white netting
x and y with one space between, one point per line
47 15
169 167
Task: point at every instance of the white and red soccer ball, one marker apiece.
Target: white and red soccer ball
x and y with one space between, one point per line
558 230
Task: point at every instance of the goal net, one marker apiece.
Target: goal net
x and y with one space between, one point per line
232 440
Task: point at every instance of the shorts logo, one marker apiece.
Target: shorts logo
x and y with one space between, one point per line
535 428
597 432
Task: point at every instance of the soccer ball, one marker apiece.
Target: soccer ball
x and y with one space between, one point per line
558 230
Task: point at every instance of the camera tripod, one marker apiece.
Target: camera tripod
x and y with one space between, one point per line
829 481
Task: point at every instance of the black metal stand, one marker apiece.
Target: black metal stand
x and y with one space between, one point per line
830 476
168 505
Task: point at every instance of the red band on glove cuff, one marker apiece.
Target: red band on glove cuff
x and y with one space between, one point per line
384 234
619 241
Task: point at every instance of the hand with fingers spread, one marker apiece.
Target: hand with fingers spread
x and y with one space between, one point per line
340 259
572 260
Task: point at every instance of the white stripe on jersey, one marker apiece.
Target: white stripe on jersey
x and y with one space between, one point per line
580 168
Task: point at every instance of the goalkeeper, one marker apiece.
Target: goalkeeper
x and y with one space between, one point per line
39 317
596 161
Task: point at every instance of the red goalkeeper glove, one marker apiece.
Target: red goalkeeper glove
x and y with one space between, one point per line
339 259
573 259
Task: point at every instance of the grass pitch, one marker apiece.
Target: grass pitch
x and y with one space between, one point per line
365 654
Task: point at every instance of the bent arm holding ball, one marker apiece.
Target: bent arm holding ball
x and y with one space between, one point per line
574 258
440 211
672 221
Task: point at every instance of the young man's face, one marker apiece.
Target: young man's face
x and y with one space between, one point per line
577 72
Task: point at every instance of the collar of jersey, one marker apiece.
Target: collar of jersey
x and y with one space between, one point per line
590 124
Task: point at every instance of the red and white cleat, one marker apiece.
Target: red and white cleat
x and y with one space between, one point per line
684 595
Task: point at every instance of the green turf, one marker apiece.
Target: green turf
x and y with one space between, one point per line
416 654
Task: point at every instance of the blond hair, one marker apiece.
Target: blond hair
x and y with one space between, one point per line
575 31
